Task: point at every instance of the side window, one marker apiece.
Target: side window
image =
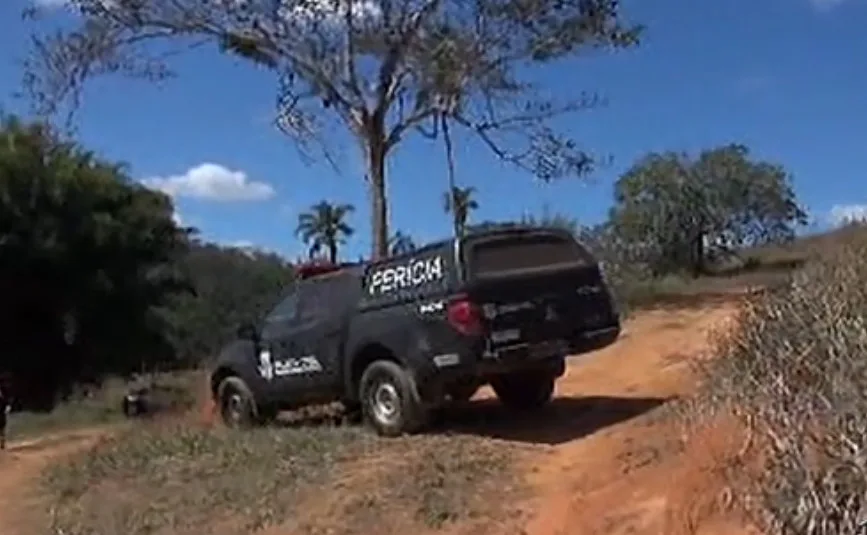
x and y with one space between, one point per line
312 302
285 312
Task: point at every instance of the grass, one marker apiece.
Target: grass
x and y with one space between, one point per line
794 373
102 406
176 479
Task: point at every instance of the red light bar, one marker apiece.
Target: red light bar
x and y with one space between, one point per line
315 268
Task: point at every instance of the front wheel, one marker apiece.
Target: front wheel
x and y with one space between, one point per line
524 391
389 400
236 403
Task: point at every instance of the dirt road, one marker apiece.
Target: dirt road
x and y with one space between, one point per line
600 462
20 468
632 475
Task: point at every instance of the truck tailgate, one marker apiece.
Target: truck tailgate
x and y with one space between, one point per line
549 304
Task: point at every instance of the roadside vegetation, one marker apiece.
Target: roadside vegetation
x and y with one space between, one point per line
793 375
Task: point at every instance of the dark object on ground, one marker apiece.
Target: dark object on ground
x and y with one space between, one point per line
4 415
400 338
154 399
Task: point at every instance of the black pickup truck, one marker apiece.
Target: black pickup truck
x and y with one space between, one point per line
401 337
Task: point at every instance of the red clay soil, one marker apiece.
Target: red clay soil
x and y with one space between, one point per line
21 510
636 477
604 466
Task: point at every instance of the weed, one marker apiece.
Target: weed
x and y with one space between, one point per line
171 478
794 371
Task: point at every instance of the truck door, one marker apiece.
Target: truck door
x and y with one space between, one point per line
276 351
317 340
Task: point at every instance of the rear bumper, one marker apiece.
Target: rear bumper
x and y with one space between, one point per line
465 364
592 340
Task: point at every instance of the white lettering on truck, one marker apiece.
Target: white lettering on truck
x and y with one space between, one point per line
414 273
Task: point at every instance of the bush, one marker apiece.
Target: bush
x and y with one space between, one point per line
795 372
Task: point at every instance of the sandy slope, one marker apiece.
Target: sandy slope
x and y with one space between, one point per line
633 476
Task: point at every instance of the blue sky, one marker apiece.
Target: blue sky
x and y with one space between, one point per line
786 77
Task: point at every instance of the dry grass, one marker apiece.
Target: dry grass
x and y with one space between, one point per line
172 478
795 373
97 406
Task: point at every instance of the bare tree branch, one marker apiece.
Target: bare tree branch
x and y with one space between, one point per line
377 69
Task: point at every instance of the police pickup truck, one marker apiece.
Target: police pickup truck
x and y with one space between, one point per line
401 337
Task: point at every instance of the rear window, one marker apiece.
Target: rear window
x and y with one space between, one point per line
496 254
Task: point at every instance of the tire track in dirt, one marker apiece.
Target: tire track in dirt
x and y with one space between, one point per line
21 466
621 478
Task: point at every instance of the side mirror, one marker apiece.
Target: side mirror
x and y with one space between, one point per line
247 331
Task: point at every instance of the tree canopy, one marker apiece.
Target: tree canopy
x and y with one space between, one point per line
231 286
376 69
325 227
401 243
681 210
86 257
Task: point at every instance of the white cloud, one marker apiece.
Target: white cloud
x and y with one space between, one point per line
212 182
847 213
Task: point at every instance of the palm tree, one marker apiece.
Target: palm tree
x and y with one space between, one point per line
401 243
325 227
459 202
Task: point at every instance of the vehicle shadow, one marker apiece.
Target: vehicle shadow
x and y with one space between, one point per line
563 420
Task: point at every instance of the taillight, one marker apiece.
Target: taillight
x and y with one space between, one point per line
465 316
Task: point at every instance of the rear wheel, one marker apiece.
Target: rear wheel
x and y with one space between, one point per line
389 399
526 391
236 403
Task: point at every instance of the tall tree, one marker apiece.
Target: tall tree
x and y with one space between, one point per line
325 226
459 202
401 243
378 69
87 257
680 209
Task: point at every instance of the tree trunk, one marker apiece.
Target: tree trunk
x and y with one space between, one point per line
376 153
332 252
458 222
698 256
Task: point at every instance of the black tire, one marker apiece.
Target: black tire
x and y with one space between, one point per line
236 404
390 401
524 391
